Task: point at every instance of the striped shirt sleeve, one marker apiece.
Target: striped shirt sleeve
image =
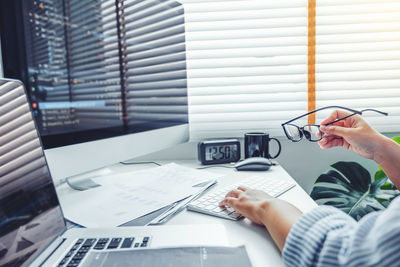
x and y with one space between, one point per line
327 236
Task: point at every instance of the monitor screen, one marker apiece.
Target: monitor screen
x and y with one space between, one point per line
98 75
30 214
97 69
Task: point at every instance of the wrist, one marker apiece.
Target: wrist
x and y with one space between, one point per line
263 211
388 157
382 146
270 211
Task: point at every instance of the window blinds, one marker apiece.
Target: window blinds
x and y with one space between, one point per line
94 65
138 52
109 65
156 62
358 58
20 149
247 63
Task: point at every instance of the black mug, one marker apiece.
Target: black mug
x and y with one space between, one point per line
257 145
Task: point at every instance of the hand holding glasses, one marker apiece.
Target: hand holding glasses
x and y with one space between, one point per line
312 132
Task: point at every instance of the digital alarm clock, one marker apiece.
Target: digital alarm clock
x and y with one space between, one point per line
218 151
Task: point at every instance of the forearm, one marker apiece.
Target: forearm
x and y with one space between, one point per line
278 216
388 157
327 236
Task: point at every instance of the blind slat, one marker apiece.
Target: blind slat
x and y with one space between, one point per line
247 62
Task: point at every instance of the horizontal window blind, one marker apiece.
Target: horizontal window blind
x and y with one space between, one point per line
117 66
358 58
247 63
20 149
94 62
155 62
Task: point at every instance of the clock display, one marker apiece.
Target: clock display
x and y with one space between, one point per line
219 151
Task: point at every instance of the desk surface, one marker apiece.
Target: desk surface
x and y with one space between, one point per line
260 247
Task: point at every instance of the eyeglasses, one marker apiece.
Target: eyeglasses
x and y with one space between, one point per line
312 132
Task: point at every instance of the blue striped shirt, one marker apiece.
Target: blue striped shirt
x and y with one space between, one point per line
327 236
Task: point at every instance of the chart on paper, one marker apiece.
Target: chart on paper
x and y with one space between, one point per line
124 197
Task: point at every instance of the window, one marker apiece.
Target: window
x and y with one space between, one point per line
247 62
98 69
358 58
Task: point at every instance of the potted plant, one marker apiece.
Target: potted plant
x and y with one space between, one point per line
350 187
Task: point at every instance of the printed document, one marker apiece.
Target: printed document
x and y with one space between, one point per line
127 196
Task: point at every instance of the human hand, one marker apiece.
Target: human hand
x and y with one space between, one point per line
275 214
249 202
352 133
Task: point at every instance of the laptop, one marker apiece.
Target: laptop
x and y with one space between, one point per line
33 231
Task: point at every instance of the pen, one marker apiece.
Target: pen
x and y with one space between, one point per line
179 206
174 211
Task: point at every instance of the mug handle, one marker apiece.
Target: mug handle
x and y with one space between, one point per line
279 149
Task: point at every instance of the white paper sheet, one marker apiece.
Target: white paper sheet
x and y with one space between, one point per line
124 197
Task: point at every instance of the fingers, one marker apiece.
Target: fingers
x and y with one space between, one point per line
335 130
242 188
326 139
230 201
236 192
337 114
233 194
331 141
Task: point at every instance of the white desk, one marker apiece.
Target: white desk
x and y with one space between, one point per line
260 247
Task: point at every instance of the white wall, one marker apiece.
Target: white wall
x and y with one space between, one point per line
304 160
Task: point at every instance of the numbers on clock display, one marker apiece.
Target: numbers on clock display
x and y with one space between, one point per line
225 152
218 151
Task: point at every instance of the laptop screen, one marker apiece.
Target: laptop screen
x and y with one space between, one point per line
30 215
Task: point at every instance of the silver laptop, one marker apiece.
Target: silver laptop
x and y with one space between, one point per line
32 227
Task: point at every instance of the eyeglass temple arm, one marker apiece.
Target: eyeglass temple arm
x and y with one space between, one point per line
345 117
311 112
332 122
371 109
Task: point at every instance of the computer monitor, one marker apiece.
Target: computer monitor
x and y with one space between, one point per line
106 79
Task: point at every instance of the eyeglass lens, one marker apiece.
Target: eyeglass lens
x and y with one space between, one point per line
293 132
312 132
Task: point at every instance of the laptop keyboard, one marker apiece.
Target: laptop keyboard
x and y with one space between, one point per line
82 246
209 203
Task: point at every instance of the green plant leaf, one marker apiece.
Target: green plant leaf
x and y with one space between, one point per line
349 187
396 139
379 175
